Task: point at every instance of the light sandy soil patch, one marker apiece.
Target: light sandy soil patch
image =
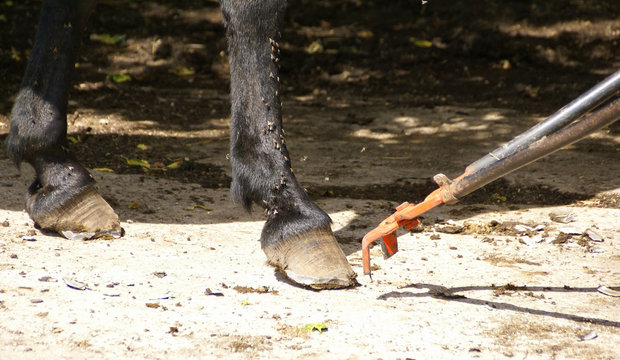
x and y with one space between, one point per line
191 281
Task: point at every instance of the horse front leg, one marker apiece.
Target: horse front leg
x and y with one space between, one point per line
62 197
297 236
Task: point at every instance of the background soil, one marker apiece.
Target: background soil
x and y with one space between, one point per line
378 97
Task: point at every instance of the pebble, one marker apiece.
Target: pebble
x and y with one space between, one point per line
77 285
562 218
522 228
530 241
597 249
570 230
594 236
607 291
589 336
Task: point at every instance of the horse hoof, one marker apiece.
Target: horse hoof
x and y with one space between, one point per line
85 216
312 259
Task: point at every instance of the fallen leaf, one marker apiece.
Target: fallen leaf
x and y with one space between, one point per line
103 170
421 43
138 162
119 78
134 205
498 198
15 54
365 34
183 71
108 39
175 165
142 146
314 47
318 326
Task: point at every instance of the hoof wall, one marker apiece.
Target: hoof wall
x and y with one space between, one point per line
85 216
312 259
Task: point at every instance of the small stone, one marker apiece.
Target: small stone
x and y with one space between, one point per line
594 236
570 230
522 228
597 249
77 285
562 218
608 291
451 229
589 336
529 240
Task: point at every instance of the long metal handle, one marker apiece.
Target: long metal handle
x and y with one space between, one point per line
567 114
476 177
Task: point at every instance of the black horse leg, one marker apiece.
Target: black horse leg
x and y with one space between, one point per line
62 198
297 236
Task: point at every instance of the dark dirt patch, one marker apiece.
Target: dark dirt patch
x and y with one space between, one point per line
497 192
512 54
117 149
522 54
611 201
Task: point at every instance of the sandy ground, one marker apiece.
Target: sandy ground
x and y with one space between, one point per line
192 282
378 98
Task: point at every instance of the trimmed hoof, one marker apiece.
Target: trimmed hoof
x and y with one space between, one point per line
85 216
312 259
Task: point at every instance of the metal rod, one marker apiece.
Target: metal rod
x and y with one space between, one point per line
567 114
476 178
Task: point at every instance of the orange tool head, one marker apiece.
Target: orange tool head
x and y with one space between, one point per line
406 215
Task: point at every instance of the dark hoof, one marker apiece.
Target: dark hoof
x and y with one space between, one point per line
85 216
312 259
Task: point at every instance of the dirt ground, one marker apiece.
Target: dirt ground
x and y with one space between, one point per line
378 97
